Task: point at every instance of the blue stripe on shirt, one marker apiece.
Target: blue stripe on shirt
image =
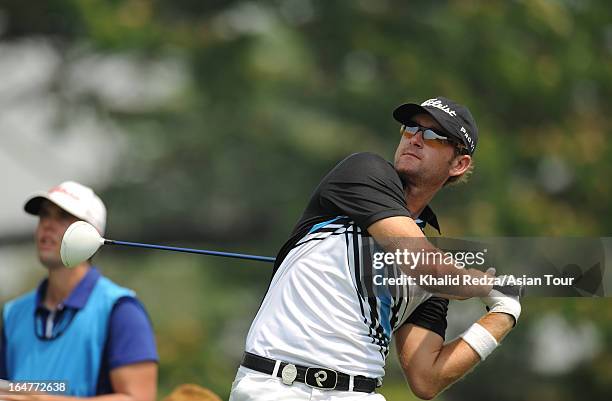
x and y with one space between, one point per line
323 224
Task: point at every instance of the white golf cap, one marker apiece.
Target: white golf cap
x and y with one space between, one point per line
78 200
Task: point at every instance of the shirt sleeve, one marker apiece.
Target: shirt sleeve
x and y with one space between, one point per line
131 339
431 315
365 187
3 372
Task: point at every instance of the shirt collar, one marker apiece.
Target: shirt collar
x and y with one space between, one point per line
79 295
429 217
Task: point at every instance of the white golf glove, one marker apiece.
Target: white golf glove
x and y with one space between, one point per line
504 298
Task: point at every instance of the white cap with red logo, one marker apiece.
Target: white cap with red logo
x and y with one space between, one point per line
76 199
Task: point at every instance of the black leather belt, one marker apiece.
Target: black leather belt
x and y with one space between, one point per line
321 378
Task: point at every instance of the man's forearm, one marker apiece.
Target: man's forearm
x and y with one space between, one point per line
457 358
437 266
401 234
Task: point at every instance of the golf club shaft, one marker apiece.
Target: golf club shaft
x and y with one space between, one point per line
191 250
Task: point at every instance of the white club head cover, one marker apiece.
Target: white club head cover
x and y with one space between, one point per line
81 240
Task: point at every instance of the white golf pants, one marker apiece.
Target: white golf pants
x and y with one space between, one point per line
251 385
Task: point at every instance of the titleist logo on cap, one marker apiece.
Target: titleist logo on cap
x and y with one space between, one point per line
439 105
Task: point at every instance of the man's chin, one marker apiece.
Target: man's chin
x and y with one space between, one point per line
406 171
50 262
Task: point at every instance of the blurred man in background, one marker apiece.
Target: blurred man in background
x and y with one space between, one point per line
77 327
321 332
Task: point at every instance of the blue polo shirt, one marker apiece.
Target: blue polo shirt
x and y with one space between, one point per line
129 339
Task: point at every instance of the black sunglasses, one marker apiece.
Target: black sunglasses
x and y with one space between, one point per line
430 134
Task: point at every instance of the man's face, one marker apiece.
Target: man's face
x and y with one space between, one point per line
424 161
52 224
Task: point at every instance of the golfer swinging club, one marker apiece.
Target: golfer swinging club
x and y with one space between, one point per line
318 335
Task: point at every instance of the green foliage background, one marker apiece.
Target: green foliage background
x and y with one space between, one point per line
276 92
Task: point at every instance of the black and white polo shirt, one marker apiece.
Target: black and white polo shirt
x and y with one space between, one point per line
320 308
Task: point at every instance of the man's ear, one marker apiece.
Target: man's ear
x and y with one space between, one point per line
459 165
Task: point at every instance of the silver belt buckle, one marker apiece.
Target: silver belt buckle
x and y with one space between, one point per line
288 374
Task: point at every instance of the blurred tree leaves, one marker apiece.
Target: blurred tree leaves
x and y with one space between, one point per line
276 92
